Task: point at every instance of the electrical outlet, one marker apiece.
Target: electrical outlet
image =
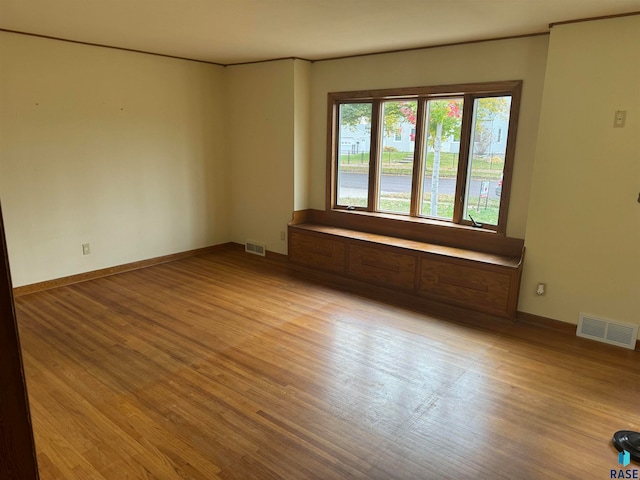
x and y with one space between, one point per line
620 119
86 250
282 235
541 289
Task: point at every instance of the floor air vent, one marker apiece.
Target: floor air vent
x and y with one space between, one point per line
255 248
615 333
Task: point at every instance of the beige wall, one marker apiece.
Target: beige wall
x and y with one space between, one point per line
583 227
118 149
516 59
260 135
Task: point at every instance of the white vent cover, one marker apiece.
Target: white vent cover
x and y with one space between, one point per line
614 333
255 248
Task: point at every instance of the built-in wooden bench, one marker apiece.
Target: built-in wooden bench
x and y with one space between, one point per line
464 267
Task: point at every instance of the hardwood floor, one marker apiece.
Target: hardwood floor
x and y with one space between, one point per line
225 366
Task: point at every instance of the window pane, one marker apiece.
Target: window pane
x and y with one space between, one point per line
354 145
486 159
396 156
442 150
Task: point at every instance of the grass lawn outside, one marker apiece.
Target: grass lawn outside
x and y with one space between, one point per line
486 212
401 163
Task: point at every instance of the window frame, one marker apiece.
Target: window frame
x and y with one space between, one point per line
468 92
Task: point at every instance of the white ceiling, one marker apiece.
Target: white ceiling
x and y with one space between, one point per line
235 31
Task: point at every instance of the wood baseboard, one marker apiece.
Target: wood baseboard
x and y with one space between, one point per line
545 322
105 272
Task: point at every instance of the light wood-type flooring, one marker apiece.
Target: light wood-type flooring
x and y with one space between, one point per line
226 366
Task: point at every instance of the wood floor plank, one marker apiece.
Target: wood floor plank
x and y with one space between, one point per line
224 366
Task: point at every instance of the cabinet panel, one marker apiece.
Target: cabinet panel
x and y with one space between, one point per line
317 251
382 266
469 286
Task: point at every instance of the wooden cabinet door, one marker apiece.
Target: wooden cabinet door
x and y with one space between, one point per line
471 286
318 251
385 267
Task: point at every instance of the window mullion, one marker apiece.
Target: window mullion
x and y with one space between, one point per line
334 155
374 157
418 159
463 159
